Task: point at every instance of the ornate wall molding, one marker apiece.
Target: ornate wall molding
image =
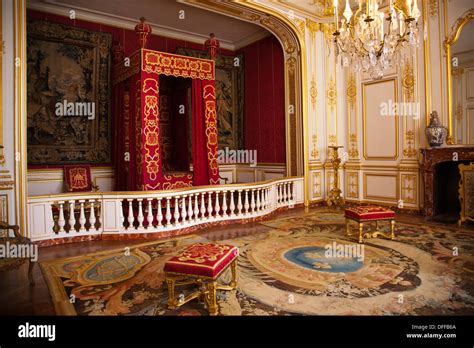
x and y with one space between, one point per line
331 94
408 81
353 149
410 150
433 8
314 151
352 185
409 188
313 92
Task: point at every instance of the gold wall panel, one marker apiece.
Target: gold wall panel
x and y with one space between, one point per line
316 185
380 133
381 186
352 185
409 188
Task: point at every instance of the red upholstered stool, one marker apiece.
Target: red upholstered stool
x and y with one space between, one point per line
201 264
367 214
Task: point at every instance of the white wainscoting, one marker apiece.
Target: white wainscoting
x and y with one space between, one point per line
50 181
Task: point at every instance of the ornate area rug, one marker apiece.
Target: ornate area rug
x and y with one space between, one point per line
285 271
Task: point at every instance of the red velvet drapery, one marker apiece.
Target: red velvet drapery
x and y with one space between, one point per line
204 126
201 174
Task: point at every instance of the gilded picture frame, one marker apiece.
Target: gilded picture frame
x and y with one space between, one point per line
466 192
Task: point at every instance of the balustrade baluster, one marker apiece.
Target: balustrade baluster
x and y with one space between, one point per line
61 220
176 211
159 213
224 204
196 207
258 207
131 218
268 198
183 210
279 195
92 218
246 203
72 218
99 215
209 206
140 217
190 208
122 215
239 203
168 212
82 217
232 204
149 217
217 208
203 206
252 201
264 198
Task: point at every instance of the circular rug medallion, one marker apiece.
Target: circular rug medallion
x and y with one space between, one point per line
293 271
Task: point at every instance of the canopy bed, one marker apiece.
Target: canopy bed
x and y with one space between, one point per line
153 131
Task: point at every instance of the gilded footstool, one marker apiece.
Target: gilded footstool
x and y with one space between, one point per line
370 213
201 264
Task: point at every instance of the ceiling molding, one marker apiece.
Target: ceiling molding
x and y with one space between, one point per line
129 23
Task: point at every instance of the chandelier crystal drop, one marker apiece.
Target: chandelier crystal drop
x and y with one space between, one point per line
370 39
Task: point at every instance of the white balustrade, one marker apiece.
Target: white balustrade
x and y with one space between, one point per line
239 203
140 217
92 218
61 220
217 208
183 210
149 217
168 212
69 215
176 211
224 204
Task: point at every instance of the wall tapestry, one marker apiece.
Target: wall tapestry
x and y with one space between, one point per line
68 95
230 97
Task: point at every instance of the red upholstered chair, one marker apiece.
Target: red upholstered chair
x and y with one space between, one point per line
78 178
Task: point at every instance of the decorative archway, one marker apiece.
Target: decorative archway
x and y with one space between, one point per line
291 36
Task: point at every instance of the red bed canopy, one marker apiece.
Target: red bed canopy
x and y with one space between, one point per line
138 144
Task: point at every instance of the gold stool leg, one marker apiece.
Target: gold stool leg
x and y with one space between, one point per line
170 281
348 230
211 298
361 231
392 229
233 269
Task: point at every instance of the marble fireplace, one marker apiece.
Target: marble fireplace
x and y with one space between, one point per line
441 176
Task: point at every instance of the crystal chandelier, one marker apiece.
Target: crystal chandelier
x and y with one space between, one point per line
371 40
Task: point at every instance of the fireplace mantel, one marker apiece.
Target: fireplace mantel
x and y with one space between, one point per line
434 156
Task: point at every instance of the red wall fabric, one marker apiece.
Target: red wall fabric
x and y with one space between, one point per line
264 119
